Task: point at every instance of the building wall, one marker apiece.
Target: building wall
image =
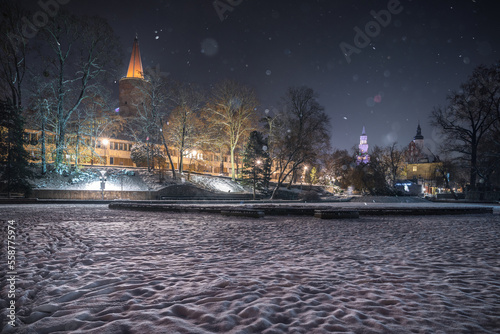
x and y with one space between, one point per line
117 153
424 171
425 174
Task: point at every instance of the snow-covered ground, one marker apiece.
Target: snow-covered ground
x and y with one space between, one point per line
88 269
131 179
89 179
217 184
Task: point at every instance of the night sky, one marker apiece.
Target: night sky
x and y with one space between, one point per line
425 50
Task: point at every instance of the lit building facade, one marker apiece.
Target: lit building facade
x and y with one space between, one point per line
363 156
422 167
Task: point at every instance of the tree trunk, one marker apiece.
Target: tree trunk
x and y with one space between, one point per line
221 163
181 161
171 162
275 190
294 176
147 156
153 150
254 183
237 166
181 151
60 146
44 159
281 178
233 177
167 151
92 143
473 173
77 148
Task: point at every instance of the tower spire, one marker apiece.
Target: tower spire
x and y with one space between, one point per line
135 66
363 156
419 133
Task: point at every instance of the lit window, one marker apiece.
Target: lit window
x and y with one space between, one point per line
414 168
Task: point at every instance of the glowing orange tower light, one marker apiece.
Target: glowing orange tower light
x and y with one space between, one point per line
135 64
133 85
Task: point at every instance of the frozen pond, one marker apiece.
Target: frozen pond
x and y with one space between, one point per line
88 269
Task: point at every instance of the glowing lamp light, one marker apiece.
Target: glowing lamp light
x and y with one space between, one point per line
105 142
117 109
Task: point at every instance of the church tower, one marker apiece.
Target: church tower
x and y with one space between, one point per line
132 86
415 149
363 156
419 139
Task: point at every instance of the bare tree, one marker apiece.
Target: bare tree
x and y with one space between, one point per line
216 141
94 118
13 51
470 118
185 126
82 51
299 132
13 68
446 172
233 106
395 158
41 106
337 166
152 113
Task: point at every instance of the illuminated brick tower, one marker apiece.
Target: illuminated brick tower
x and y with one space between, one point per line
363 156
132 87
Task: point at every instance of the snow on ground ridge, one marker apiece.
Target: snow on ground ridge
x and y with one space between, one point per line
131 179
93 270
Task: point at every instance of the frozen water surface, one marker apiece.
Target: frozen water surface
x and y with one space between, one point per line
88 269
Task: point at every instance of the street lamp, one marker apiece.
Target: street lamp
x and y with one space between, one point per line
303 177
103 183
